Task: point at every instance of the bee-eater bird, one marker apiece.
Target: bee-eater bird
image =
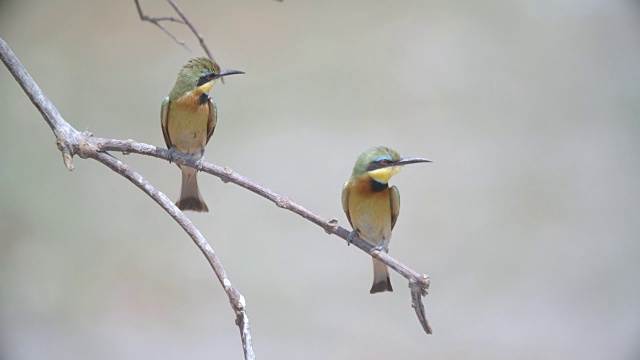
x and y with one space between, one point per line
372 207
188 118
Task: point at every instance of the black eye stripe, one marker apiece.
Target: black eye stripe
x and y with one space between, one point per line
206 77
379 164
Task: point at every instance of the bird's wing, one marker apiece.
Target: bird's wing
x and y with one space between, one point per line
164 121
394 196
213 119
345 201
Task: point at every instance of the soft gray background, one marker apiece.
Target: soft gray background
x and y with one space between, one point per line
528 221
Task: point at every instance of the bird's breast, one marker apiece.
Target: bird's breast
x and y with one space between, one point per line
187 124
370 212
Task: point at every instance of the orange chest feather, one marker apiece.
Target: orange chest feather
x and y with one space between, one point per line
370 211
191 100
188 124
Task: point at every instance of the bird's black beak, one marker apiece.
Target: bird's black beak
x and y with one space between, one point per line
227 72
407 161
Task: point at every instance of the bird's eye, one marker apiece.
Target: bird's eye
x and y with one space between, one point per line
206 77
383 162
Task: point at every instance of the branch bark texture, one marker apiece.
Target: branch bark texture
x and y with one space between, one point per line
72 142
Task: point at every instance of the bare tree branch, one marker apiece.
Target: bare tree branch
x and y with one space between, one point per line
193 29
183 20
156 21
418 283
71 142
235 298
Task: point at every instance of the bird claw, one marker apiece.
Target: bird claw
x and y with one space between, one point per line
382 247
199 164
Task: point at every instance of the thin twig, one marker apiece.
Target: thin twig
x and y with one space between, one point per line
156 21
418 291
193 29
184 20
71 142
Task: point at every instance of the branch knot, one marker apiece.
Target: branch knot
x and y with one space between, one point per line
331 227
86 149
227 171
420 285
282 202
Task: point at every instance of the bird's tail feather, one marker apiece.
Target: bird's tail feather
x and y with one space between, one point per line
381 281
190 198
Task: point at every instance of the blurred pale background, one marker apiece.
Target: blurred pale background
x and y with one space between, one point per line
528 221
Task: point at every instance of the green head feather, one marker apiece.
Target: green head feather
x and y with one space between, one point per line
189 75
370 155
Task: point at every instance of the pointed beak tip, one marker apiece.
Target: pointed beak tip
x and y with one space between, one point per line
409 161
224 73
233 72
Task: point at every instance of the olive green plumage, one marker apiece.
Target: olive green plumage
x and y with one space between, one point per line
188 119
371 206
370 155
189 75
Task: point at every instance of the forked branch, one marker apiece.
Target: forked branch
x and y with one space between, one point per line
157 21
183 20
72 142
193 29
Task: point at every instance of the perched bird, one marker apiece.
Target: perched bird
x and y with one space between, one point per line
188 118
371 206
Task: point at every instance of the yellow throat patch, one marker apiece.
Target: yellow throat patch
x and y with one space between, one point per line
204 88
383 175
